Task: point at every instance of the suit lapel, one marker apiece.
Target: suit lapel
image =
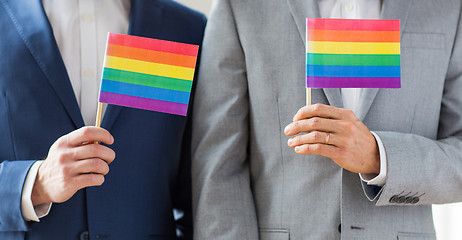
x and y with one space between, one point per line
302 9
145 21
391 9
32 25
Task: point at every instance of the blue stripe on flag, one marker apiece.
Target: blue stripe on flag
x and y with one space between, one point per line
145 91
353 71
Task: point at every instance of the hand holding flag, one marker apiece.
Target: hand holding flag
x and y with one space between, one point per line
73 163
335 133
345 53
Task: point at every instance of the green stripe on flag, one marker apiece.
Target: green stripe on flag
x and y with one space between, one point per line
353 59
147 80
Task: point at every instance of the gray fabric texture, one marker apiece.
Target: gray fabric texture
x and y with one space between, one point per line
248 184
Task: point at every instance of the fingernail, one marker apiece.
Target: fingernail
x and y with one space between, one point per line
287 130
297 149
290 142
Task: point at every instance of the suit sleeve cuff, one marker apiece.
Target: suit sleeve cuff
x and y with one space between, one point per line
29 212
381 178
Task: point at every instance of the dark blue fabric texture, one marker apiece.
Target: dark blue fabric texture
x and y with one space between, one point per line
151 173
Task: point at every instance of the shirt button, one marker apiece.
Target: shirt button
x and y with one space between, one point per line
88 73
84 236
87 18
349 6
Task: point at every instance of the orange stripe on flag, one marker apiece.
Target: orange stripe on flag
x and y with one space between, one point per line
153 44
352 36
151 56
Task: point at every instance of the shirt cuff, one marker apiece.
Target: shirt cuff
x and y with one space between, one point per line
29 212
381 178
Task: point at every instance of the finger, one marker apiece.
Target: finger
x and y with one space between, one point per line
311 138
89 134
318 149
93 165
88 180
323 111
94 151
312 124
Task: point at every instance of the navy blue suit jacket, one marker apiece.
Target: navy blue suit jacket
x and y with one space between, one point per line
151 173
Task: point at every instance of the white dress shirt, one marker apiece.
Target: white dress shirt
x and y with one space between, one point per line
80 28
357 9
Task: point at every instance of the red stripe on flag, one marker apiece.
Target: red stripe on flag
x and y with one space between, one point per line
153 44
352 24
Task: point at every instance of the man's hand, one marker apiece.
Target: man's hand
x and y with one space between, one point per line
337 134
74 162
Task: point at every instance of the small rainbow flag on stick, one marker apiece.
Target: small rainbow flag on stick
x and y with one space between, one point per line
353 53
148 73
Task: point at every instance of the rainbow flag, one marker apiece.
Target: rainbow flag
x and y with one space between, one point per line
352 53
148 73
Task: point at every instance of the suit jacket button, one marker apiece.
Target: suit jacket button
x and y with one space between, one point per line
394 199
415 200
84 236
409 200
401 199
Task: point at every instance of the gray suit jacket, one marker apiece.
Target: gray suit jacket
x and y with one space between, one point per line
248 184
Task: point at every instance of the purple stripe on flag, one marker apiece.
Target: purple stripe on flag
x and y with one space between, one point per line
144 103
353 82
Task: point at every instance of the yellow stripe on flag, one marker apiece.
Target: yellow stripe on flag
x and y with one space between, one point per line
157 69
353 47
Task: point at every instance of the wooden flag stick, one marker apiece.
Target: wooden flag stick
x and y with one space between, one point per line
308 96
98 114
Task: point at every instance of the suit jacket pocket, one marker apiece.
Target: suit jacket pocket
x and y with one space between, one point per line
415 236
423 40
274 234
